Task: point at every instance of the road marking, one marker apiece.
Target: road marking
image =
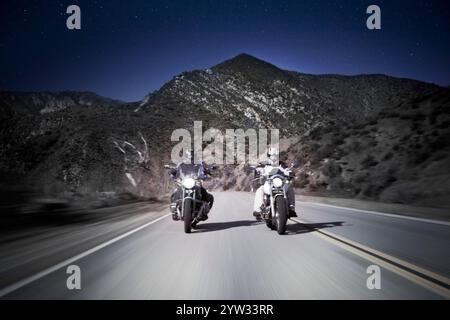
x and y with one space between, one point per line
425 278
444 223
37 276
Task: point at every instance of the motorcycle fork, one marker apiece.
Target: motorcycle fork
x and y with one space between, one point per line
272 201
184 199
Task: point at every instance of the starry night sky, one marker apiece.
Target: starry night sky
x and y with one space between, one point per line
127 49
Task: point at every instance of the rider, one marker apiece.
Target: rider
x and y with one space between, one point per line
282 169
202 174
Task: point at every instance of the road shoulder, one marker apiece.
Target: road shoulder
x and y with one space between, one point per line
389 208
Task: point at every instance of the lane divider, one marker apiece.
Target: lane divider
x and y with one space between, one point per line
11 288
425 278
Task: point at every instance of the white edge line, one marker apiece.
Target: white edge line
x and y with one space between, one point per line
37 276
444 223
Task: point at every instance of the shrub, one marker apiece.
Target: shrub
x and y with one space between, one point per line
418 117
369 161
405 116
388 156
325 151
373 143
360 177
301 180
372 191
420 157
355 146
441 142
337 140
444 124
331 169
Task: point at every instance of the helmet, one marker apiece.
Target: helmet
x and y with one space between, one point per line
188 157
272 155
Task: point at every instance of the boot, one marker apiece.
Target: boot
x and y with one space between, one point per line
173 210
292 213
204 212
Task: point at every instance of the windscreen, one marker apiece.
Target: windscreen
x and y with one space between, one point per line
189 170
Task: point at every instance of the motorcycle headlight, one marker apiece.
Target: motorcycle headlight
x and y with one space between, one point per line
188 183
277 182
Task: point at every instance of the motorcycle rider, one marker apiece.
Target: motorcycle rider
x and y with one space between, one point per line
202 174
272 156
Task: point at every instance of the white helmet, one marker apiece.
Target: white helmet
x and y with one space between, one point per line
272 155
187 157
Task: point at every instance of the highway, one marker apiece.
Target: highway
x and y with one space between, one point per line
325 254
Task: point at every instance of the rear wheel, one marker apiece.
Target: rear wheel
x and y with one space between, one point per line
282 214
187 215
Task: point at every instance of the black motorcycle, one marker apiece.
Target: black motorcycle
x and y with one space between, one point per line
189 204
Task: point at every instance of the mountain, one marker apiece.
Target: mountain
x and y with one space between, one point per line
46 102
249 92
370 136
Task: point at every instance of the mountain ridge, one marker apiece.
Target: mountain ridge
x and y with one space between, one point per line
250 86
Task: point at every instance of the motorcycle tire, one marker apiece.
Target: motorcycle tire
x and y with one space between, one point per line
282 215
270 225
187 216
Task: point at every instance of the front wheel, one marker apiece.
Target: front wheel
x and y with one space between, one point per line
187 215
270 225
281 214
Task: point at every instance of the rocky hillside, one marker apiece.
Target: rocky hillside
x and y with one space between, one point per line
400 155
248 92
370 136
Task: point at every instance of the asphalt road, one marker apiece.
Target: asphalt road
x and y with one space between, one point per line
232 256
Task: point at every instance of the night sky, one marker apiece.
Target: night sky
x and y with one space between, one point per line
127 49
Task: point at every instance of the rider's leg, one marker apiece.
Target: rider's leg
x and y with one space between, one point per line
210 199
207 197
258 202
290 193
173 206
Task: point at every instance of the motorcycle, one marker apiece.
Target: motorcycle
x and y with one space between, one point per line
189 204
274 210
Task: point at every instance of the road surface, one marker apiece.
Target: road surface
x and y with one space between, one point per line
324 255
